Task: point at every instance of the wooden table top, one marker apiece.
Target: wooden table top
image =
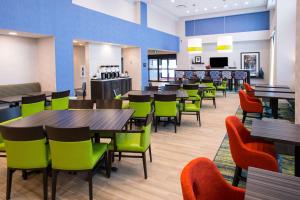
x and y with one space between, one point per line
276 131
276 95
179 93
272 86
18 98
267 185
268 89
104 120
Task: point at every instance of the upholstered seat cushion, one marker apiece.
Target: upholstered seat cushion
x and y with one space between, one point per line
128 142
98 150
262 147
209 94
191 107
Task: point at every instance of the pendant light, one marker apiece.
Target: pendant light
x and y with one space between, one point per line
195 45
224 44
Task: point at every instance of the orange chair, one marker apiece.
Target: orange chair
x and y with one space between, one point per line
201 180
247 151
250 91
250 105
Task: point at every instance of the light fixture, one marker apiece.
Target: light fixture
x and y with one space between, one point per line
225 6
172 1
195 45
235 4
188 11
246 3
205 9
215 7
224 44
13 33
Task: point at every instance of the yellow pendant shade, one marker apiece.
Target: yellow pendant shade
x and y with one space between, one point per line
225 44
195 45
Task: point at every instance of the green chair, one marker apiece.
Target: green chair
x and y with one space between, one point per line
192 91
165 106
60 100
190 108
81 104
118 96
223 87
134 141
210 92
32 105
6 116
26 149
72 151
142 106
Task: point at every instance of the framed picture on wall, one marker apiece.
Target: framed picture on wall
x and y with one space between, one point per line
82 71
251 61
197 60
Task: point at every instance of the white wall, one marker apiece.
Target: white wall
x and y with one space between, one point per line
285 42
132 63
160 20
18 63
122 9
79 60
46 70
297 68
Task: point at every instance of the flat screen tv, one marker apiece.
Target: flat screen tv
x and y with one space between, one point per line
218 62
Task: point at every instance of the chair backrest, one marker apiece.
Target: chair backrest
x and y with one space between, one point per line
248 88
165 105
108 104
146 135
172 87
191 89
60 100
201 180
33 104
141 105
71 148
83 87
151 88
25 147
243 100
81 104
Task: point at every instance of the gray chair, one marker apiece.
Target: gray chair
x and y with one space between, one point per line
81 92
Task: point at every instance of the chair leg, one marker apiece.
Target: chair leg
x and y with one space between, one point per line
214 100
120 155
261 115
24 175
108 164
8 183
90 177
244 116
130 124
45 183
175 124
145 165
54 180
237 175
156 123
180 114
150 153
199 118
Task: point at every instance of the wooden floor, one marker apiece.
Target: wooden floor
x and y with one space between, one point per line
171 152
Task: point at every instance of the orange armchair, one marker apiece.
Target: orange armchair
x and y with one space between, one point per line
247 151
250 91
250 105
201 180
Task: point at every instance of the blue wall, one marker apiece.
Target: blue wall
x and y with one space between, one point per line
228 24
66 21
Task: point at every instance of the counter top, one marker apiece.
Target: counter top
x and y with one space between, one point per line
112 79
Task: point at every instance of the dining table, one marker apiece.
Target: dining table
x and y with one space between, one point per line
280 132
272 86
274 98
181 94
268 185
276 90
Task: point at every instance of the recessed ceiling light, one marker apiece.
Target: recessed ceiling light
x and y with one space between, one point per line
246 3
13 33
172 1
235 4
205 9
187 11
225 6
215 7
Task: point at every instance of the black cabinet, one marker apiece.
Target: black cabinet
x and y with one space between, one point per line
103 89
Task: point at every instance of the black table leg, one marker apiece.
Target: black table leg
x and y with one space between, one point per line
297 161
274 107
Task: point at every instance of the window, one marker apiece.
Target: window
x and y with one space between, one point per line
162 67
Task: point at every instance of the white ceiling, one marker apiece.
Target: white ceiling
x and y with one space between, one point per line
185 8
